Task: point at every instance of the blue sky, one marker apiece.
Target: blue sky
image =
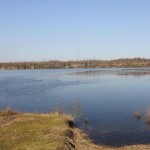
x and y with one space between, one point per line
35 30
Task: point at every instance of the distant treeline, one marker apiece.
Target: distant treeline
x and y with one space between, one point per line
119 63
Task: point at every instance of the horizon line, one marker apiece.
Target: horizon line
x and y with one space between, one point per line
90 59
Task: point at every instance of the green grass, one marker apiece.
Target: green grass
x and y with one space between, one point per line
32 131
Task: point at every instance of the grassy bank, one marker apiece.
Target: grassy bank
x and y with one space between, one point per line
29 131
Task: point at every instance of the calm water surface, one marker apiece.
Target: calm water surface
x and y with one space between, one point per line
108 99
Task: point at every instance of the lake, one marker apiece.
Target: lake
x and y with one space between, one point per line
106 99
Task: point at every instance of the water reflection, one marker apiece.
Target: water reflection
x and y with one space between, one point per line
114 139
120 72
135 73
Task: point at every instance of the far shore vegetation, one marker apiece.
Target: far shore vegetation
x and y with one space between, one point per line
54 64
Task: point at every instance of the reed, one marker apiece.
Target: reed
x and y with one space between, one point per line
138 115
8 112
148 116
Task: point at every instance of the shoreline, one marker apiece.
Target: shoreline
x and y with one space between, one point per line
46 131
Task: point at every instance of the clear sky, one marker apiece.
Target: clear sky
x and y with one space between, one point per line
33 30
